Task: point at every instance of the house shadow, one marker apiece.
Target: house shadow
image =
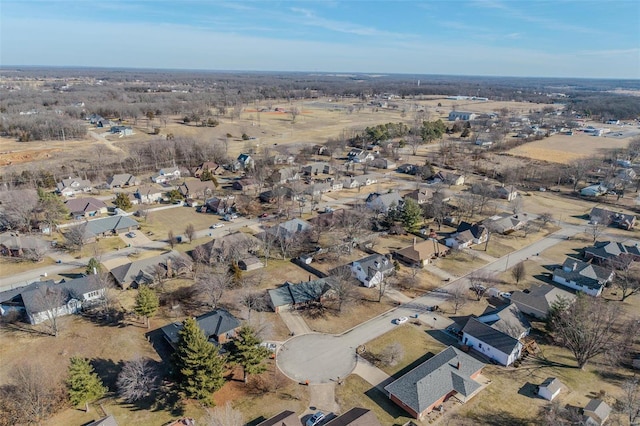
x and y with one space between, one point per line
498 418
442 337
383 401
160 345
611 376
413 365
71 276
107 370
529 390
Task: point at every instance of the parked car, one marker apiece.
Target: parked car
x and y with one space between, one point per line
264 215
131 234
315 419
217 225
401 320
506 295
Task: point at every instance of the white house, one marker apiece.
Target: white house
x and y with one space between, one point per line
582 276
593 191
165 175
497 334
371 270
550 388
72 186
460 115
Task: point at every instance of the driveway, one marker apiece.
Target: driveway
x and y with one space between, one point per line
295 323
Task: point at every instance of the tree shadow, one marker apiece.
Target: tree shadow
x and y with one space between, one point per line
499 418
160 345
107 370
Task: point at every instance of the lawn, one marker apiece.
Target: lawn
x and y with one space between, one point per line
359 310
176 219
417 347
356 392
459 263
12 266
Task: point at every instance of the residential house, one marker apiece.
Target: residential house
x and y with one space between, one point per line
195 188
230 247
410 169
219 205
358 155
245 161
619 219
148 194
450 373
121 130
15 245
450 178
383 163
284 175
43 300
85 207
497 334
508 192
272 195
596 412
283 418
593 191
505 223
210 166
550 388
218 325
103 123
581 276
460 115
422 253
366 180
607 252
382 203
246 184
467 235
150 270
122 180
372 270
72 186
166 175
289 228
112 225
317 168
539 298
317 189
420 196
320 150
483 142
292 296
250 263
355 417
626 175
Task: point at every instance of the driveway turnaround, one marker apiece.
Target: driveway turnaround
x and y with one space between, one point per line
316 358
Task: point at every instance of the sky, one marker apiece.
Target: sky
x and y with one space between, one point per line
556 38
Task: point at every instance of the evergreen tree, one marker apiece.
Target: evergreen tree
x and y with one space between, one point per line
411 215
247 352
197 365
83 383
122 201
91 265
147 303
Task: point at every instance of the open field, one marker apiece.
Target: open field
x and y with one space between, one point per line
10 266
564 149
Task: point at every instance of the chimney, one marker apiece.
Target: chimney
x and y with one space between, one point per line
575 266
458 366
414 241
169 268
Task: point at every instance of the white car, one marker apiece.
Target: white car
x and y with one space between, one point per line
506 295
401 320
315 419
217 225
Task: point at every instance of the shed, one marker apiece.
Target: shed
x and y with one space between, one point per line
597 412
550 388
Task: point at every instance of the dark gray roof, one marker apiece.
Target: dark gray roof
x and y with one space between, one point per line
375 263
214 323
492 337
84 205
13 241
507 319
355 417
582 273
72 289
105 421
540 297
450 370
291 294
109 224
284 418
141 270
609 249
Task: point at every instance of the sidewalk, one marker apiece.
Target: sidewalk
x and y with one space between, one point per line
372 374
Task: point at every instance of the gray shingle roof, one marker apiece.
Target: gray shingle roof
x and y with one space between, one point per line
540 297
582 273
284 418
375 263
75 288
214 323
84 205
450 370
291 294
599 408
492 337
609 249
115 223
552 384
141 270
355 417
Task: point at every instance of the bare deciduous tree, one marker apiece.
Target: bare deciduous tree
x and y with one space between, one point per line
17 208
138 379
629 402
342 284
224 416
75 236
458 298
596 226
627 277
31 394
171 239
518 272
49 302
477 281
190 232
392 354
212 284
